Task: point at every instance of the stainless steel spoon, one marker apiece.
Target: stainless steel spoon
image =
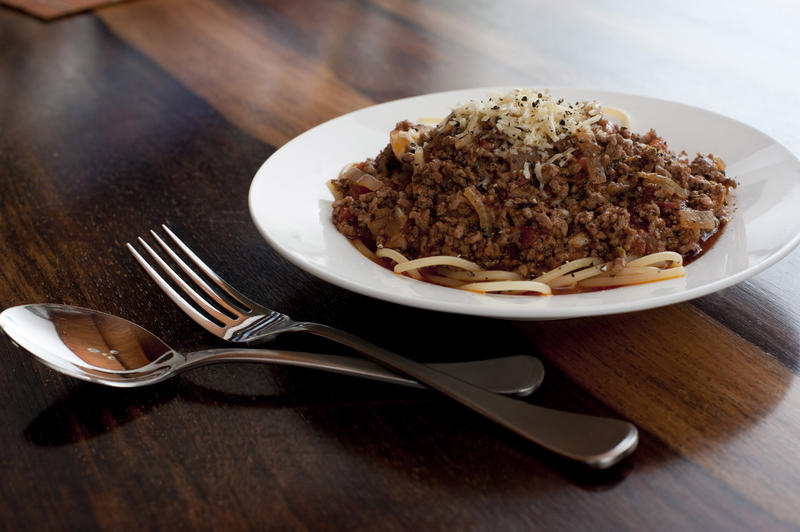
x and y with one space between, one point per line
106 349
102 348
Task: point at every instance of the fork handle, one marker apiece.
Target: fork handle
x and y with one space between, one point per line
516 375
598 442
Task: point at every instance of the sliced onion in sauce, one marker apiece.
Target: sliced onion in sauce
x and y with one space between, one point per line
476 200
667 184
369 181
692 219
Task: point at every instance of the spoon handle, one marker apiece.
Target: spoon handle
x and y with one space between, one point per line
515 375
596 441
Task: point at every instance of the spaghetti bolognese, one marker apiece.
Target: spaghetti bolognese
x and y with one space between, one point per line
525 193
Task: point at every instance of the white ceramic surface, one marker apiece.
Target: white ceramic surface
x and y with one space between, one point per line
291 206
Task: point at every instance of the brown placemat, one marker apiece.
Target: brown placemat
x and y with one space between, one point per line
50 9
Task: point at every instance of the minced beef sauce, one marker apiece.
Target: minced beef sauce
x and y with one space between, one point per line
617 195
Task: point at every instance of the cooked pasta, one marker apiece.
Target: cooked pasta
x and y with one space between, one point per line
584 273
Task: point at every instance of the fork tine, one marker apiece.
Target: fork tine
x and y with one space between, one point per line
172 293
211 292
176 298
247 303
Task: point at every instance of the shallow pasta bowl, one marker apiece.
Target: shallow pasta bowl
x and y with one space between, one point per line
291 207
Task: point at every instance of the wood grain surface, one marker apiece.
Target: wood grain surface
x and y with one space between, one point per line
160 111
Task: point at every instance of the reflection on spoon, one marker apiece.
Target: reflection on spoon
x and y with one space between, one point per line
110 350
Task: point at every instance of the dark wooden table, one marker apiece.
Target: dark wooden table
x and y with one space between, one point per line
154 111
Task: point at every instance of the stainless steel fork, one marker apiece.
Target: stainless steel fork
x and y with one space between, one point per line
236 318
246 322
597 441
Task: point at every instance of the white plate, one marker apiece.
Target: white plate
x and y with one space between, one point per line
291 207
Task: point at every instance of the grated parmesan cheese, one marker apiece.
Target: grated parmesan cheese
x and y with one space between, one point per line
565 154
528 117
537 170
